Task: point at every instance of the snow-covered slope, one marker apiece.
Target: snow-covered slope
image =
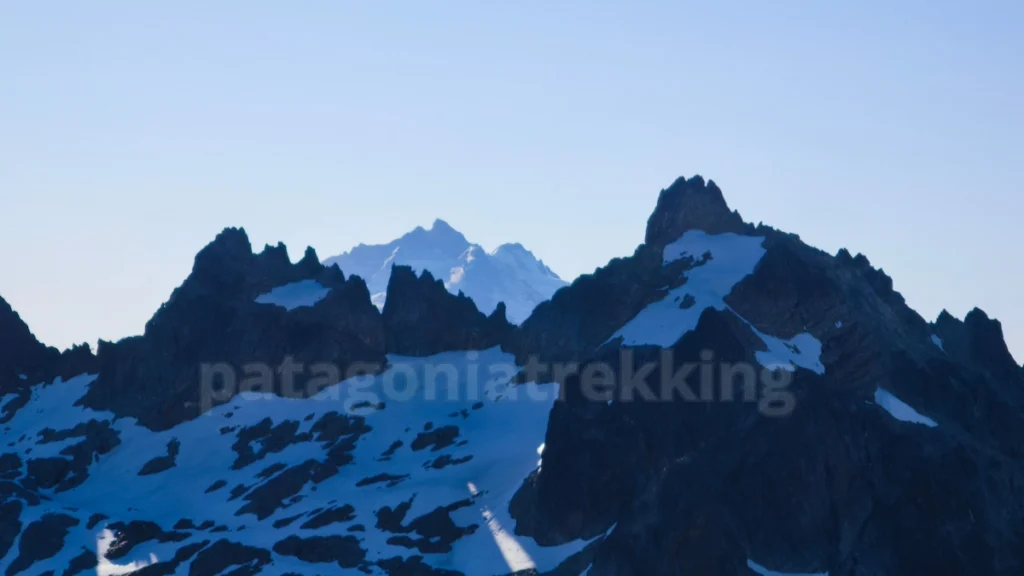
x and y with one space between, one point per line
352 478
509 274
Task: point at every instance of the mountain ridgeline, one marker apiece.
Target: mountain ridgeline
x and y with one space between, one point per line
509 275
897 448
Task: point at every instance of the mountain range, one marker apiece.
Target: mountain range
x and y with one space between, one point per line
510 273
725 400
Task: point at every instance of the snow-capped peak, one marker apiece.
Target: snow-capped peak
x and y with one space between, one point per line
510 273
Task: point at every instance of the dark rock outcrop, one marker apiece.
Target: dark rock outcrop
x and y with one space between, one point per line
41 539
837 484
581 317
24 361
60 473
84 562
10 524
162 463
422 318
802 471
341 550
224 554
211 339
131 534
691 204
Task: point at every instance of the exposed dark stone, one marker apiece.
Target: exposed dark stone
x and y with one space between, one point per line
217 485
693 485
391 479
188 524
237 492
131 534
46 472
978 340
412 566
690 204
162 463
98 437
344 513
387 454
333 426
84 562
224 554
271 438
439 438
41 539
580 318
271 470
25 362
10 466
422 318
94 520
445 460
169 567
10 524
213 318
343 550
793 289
268 497
436 531
281 523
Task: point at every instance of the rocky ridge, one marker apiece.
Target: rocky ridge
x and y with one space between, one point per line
844 483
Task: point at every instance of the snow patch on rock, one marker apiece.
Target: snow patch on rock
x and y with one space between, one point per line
295 295
900 410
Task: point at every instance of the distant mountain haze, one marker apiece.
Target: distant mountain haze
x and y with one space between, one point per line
510 273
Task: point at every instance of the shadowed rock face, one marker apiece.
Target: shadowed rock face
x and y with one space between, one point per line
422 318
575 323
41 540
693 485
691 204
213 318
839 485
25 361
20 352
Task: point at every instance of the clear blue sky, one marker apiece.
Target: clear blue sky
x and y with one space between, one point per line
131 133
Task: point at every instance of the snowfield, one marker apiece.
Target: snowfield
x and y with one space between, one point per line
462 443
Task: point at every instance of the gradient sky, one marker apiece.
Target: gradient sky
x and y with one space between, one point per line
131 133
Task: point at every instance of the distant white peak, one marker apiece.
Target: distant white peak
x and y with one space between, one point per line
509 274
516 254
442 226
440 232
512 248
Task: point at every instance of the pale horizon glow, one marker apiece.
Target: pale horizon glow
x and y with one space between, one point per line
132 133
